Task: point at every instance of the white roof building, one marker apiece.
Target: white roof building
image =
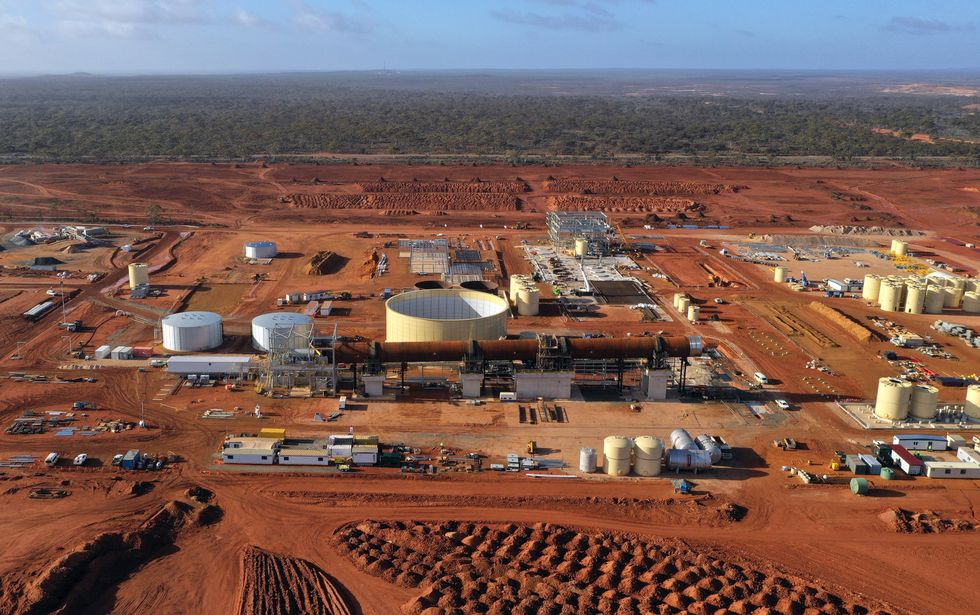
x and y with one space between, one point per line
209 364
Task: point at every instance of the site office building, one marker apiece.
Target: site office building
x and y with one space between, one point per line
258 451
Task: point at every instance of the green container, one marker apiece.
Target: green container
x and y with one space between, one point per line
859 486
888 474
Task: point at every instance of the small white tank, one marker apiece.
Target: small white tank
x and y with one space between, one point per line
916 299
682 304
516 282
139 274
872 285
922 403
528 299
971 302
648 453
693 313
581 247
972 406
587 460
617 451
899 247
935 298
779 274
893 399
677 298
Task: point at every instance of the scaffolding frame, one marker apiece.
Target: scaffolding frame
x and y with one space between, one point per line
564 227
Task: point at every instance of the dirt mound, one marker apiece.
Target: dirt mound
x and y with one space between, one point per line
69 585
322 263
455 187
199 494
423 201
625 204
925 522
648 188
545 568
847 229
845 322
275 584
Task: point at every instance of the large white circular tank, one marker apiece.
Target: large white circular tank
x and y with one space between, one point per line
191 331
952 297
139 274
260 249
935 298
682 304
872 285
648 453
971 302
617 450
893 399
899 247
528 298
587 460
922 403
916 299
972 406
779 274
279 331
890 295
581 247
693 313
445 314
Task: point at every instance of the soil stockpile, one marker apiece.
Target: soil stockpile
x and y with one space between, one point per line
625 204
927 522
414 201
323 263
845 322
456 187
274 584
649 188
545 568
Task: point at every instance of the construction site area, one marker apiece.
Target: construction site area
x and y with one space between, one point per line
384 388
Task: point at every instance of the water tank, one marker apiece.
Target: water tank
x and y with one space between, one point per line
859 486
677 298
779 274
708 445
899 247
450 314
139 274
887 474
972 406
890 295
972 285
693 313
191 331
971 302
281 331
952 297
260 249
683 303
648 453
915 301
528 297
872 285
581 247
893 399
922 403
587 460
617 450
516 282
688 459
935 298
680 439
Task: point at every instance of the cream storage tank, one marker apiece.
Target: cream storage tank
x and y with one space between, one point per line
971 302
915 300
682 304
191 331
581 247
779 274
899 247
445 314
872 285
648 453
260 249
677 299
693 313
935 298
279 331
516 282
889 297
528 298
893 399
972 406
953 296
922 403
617 451
139 275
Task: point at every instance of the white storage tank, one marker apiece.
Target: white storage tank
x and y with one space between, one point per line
899 247
690 460
972 406
648 453
677 299
935 298
953 296
617 451
139 274
872 286
260 249
681 439
890 296
587 460
708 445
528 298
779 274
922 403
693 313
971 302
682 304
191 331
893 399
445 314
581 247
915 301
281 331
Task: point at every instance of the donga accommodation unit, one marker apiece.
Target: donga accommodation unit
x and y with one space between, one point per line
259 451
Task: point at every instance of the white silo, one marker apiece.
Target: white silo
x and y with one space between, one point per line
953 296
890 295
648 453
516 282
935 298
893 399
677 299
682 304
899 247
587 460
779 274
280 331
972 406
915 299
139 275
693 313
617 451
528 298
872 285
191 331
971 302
260 249
922 403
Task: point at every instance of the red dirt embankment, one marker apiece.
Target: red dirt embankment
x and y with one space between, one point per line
630 204
456 187
649 188
415 201
275 584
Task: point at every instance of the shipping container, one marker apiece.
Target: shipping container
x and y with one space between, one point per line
142 352
103 351
130 459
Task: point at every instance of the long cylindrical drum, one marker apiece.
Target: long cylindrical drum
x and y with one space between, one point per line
859 486
688 460
707 444
680 439
587 460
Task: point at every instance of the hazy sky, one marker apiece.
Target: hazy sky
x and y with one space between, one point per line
180 36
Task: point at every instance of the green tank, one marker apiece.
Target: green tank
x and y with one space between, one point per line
859 486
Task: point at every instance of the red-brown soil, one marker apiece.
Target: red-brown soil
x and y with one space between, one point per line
275 584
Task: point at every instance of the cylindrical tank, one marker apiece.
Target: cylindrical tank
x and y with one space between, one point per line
191 331
887 474
648 453
953 297
922 403
139 274
957 283
935 299
859 486
779 274
677 298
688 459
693 313
260 249
680 439
707 444
893 399
617 450
280 331
972 285
528 298
516 282
971 302
587 460
899 247
890 295
872 285
448 314
972 406
682 304
581 247
915 300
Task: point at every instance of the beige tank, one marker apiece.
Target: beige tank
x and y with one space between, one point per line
952 297
972 285
682 304
617 451
890 295
677 298
528 298
893 398
899 247
957 283
972 406
872 285
935 298
915 301
779 274
971 302
922 403
139 274
581 247
648 453
693 313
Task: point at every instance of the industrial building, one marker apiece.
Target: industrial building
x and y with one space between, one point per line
909 463
256 451
237 366
192 331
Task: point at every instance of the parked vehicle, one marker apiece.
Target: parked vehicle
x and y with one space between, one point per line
80 459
